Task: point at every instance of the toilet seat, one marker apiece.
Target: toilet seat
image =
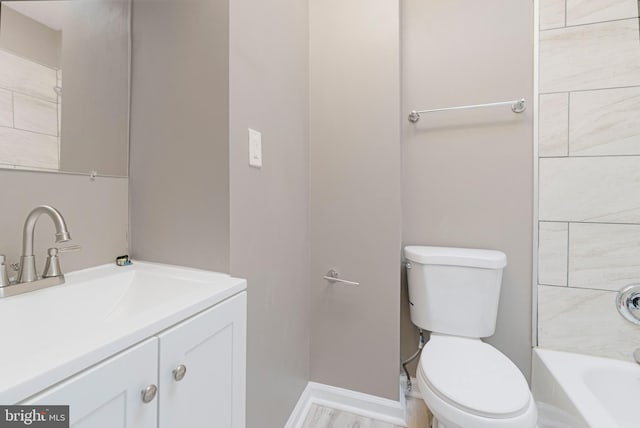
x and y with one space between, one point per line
474 376
469 383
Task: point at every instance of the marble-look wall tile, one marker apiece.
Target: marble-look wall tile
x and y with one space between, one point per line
596 189
584 321
27 77
552 253
594 56
35 114
6 108
604 256
24 148
552 14
590 11
553 135
605 122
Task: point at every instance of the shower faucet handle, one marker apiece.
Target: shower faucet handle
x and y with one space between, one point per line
628 303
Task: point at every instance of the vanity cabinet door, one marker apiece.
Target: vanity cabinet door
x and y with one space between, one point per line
108 395
211 346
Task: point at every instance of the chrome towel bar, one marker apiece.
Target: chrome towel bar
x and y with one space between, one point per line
517 106
334 276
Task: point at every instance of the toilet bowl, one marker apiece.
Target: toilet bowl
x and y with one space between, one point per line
466 383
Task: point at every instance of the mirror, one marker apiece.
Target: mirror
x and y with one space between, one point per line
64 85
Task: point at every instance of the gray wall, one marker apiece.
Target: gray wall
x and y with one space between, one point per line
189 167
269 206
29 38
468 176
95 211
355 193
95 82
179 133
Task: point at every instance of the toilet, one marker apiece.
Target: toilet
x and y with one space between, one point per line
466 383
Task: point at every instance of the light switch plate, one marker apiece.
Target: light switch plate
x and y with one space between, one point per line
255 148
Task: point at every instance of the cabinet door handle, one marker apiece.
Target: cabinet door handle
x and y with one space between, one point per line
149 393
179 372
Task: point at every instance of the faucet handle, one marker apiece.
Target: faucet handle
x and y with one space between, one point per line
4 277
52 264
68 249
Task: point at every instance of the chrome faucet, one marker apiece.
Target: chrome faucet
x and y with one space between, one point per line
27 261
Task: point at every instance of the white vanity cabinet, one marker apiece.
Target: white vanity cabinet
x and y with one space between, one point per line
210 345
108 394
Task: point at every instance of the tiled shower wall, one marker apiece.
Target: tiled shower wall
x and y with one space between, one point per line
589 174
29 113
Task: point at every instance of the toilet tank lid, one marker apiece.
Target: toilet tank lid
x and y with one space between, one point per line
470 257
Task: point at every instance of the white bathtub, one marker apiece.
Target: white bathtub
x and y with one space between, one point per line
576 391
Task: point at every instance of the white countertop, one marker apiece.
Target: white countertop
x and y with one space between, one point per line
49 335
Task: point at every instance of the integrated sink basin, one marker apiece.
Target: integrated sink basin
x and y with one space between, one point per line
52 333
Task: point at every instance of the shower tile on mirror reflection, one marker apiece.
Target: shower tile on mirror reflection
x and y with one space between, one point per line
6 108
590 11
552 14
27 77
34 114
28 149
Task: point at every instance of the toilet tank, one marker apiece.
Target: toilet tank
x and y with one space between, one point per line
454 291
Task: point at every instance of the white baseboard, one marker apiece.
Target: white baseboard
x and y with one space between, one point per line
300 411
370 406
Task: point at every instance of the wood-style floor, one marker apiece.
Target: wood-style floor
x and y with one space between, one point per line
324 417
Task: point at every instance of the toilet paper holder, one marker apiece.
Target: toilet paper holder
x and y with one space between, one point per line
334 276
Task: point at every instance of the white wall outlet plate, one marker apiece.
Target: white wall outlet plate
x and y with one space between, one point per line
255 148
